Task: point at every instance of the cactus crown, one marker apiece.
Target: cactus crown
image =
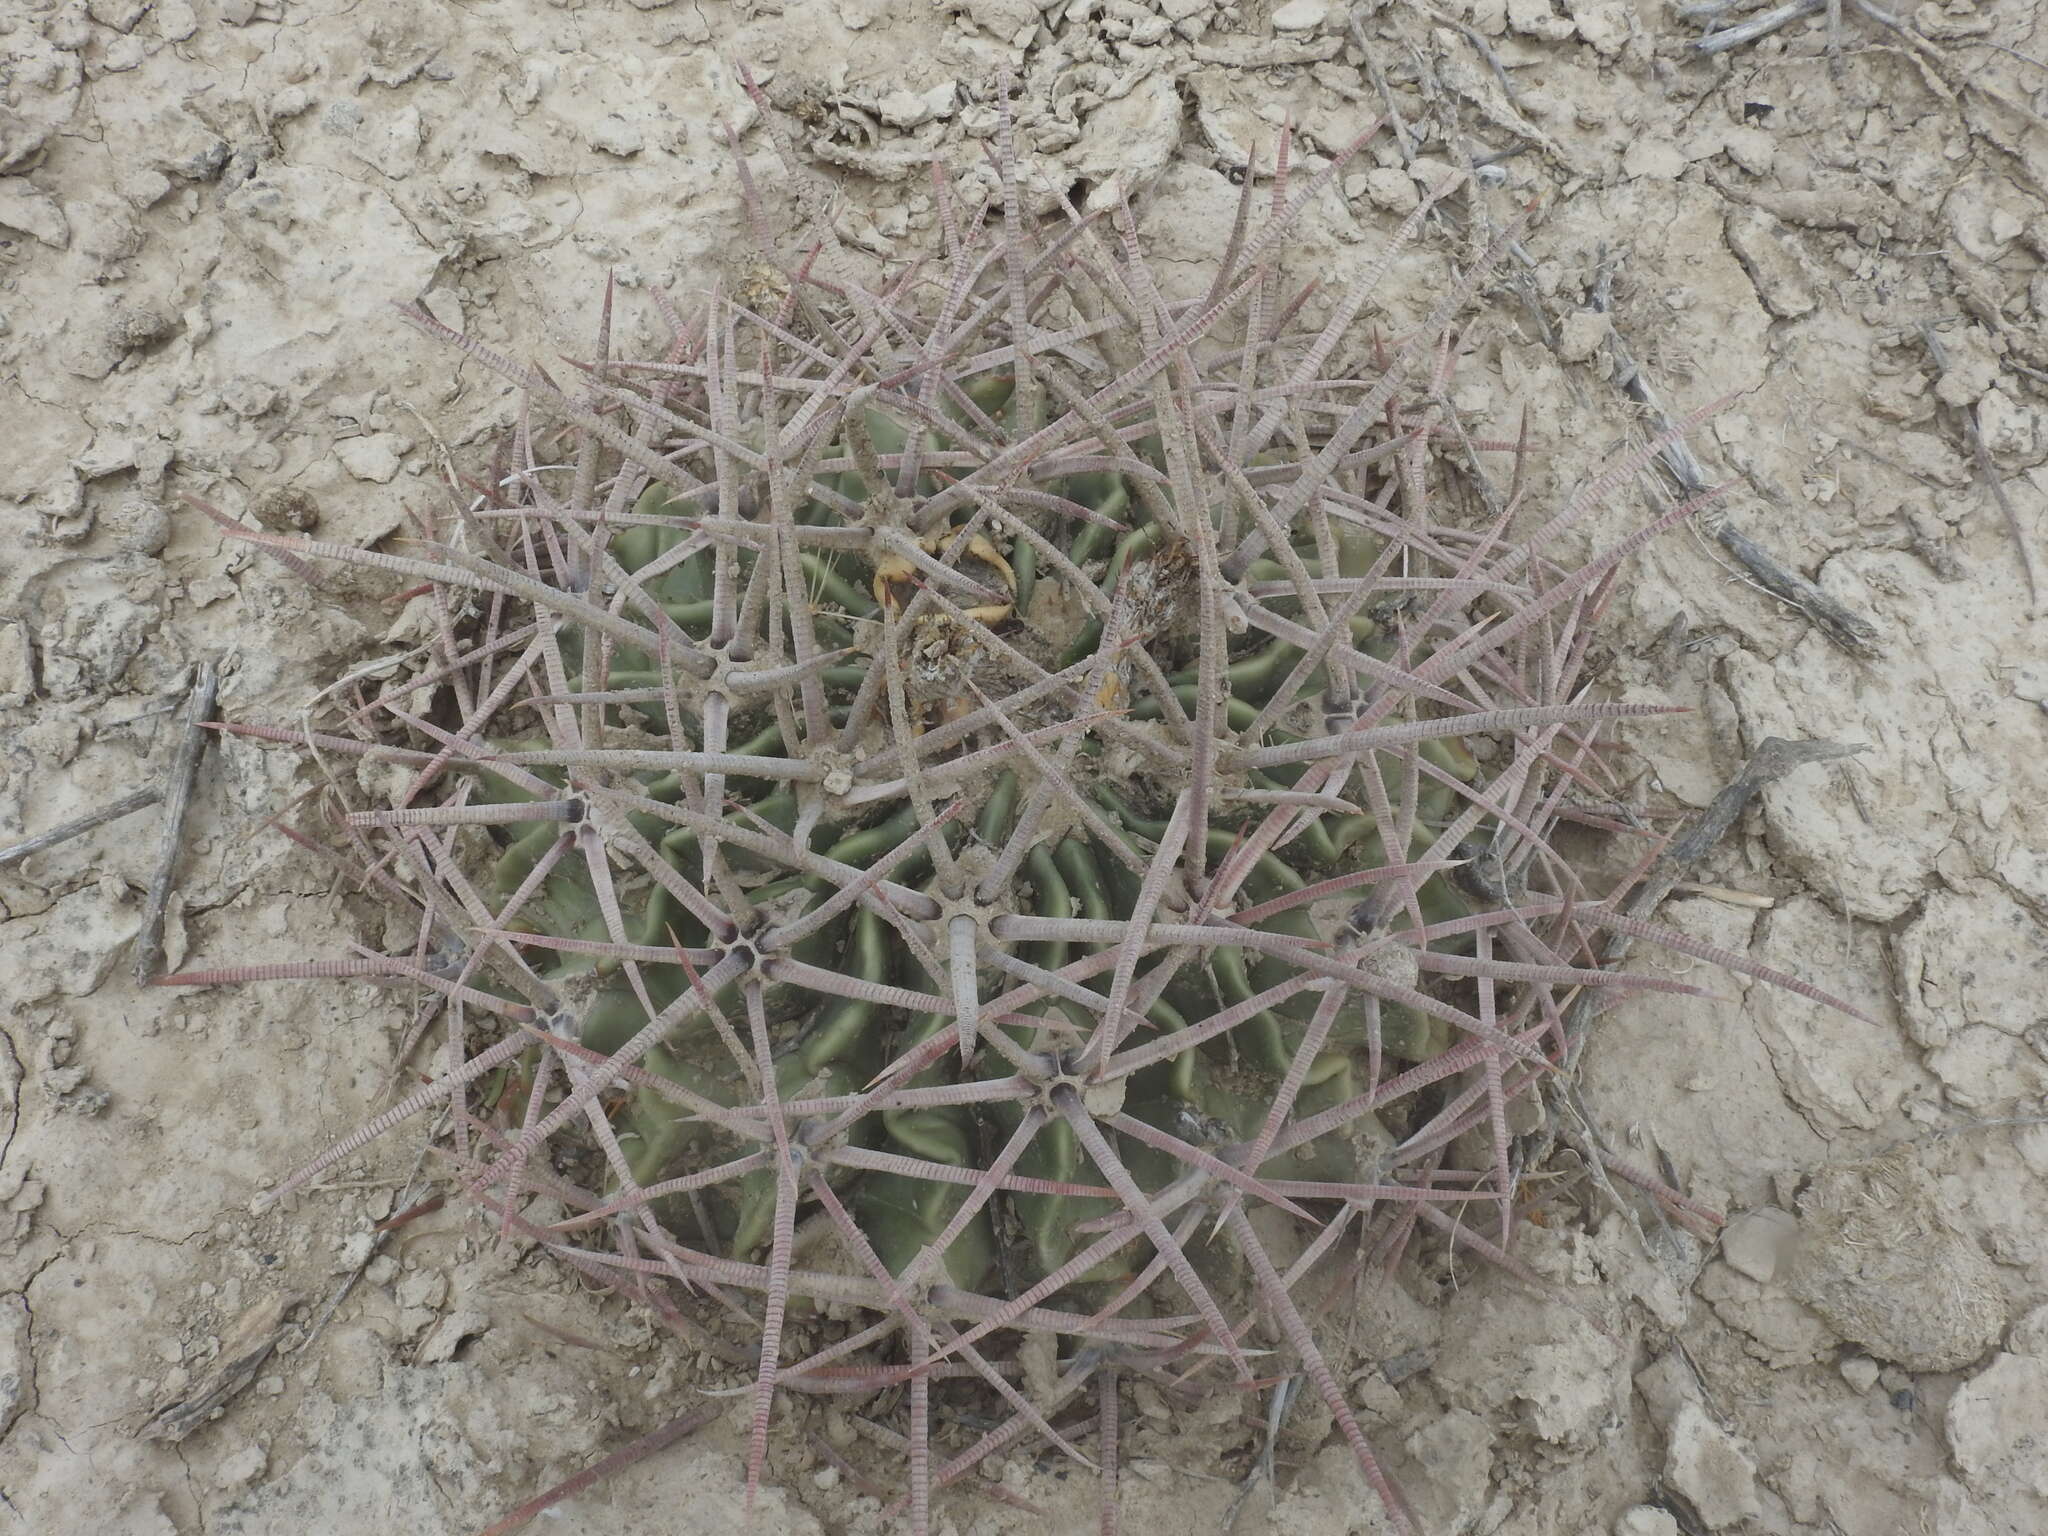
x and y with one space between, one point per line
1003 805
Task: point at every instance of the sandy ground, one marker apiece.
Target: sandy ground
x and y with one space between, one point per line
206 207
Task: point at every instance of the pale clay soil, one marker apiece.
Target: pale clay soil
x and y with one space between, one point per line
206 209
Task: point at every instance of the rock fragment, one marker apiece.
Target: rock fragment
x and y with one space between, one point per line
21 141
286 509
1997 1424
375 458
17 1367
1758 1243
1711 1468
1771 264
28 208
124 328
617 137
1301 16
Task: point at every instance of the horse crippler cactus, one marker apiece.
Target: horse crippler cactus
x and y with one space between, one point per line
1003 816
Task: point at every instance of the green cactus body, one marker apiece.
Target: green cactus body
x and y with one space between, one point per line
833 1048
1008 806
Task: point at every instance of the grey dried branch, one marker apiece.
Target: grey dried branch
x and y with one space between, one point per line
178 781
64 832
1841 624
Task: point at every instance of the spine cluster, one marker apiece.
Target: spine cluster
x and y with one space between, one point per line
964 802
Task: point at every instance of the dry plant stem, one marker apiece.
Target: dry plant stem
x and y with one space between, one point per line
406 1201
1378 75
1568 1117
647 1445
127 805
178 798
248 1345
1987 471
1846 628
1758 26
1771 761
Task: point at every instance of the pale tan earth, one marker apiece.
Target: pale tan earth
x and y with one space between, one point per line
206 210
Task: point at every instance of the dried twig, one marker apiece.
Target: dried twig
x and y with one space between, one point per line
1987 471
127 805
659 1440
1403 138
1761 25
1846 628
1769 763
1569 1118
1285 1392
380 1235
248 1345
178 791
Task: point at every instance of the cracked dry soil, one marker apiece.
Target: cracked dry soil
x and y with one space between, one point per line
206 208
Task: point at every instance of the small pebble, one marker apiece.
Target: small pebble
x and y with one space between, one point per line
286 509
1301 15
1757 1243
